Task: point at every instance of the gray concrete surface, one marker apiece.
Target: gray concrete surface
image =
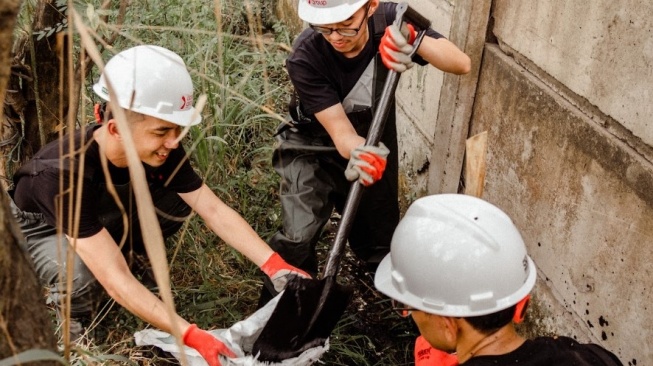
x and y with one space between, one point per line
601 49
583 201
418 99
433 107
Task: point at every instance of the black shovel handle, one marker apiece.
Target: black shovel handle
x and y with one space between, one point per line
404 12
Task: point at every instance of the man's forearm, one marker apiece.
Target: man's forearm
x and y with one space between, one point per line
444 55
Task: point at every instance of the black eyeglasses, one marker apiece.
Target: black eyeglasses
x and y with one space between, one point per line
402 309
346 32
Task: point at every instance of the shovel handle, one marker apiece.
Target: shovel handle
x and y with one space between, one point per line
406 13
373 137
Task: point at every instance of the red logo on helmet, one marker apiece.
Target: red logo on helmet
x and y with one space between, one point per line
186 102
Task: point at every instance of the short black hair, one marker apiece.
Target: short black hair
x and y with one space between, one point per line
488 324
103 113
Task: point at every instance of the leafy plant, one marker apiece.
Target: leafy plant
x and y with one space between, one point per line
239 67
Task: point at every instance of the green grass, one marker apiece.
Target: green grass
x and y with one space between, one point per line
246 89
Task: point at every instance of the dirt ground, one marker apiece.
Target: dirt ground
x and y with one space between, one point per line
390 339
379 334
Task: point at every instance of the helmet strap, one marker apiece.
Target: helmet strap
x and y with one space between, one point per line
520 310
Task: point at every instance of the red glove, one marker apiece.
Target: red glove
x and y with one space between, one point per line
207 345
426 355
98 111
367 164
396 47
279 271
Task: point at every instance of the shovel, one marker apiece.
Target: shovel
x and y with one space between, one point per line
309 309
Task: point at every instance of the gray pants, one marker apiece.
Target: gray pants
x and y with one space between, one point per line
313 184
49 253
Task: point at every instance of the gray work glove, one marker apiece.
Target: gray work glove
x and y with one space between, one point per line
367 163
396 47
280 271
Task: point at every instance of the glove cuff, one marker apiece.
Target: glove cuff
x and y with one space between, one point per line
412 34
187 333
272 264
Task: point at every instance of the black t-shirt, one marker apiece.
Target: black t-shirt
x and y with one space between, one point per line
37 182
322 76
548 351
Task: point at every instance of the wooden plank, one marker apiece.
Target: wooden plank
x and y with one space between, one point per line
475 152
468 32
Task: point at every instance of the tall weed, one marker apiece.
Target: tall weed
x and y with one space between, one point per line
236 60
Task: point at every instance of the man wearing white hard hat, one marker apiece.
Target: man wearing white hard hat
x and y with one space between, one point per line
338 67
459 267
155 89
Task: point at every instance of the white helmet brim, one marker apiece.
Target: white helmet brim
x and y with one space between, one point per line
328 11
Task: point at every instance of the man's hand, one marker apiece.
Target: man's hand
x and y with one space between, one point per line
279 271
396 47
367 163
206 344
426 355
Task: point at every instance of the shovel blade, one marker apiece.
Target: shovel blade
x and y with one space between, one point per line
304 317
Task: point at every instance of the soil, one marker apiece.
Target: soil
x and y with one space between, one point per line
381 336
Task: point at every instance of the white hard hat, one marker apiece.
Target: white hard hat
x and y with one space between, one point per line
151 80
456 255
328 11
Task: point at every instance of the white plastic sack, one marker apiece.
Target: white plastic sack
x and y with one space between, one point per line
239 338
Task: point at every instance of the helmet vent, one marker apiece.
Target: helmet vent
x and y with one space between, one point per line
164 107
484 300
399 281
434 304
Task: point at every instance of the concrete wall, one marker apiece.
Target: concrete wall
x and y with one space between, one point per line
418 101
567 100
434 108
602 50
565 91
564 181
